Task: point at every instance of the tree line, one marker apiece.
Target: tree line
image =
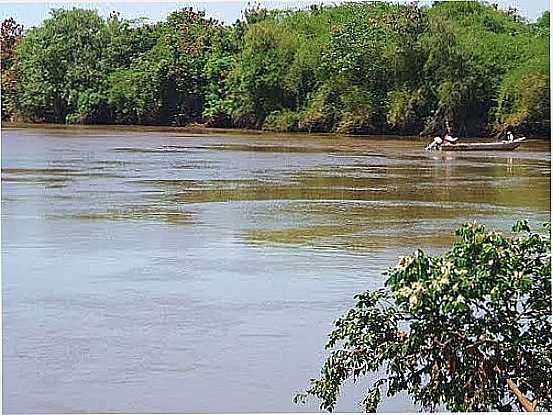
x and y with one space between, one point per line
354 68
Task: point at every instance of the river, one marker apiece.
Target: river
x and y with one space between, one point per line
164 271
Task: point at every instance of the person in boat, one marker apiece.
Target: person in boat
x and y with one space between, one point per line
445 138
510 136
436 143
448 139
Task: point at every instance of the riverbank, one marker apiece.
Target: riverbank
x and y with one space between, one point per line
197 129
194 129
201 130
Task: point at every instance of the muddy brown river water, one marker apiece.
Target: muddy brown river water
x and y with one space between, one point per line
160 271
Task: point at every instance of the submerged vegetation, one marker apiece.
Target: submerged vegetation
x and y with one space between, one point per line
355 68
466 331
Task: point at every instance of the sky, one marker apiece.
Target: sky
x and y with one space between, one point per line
32 13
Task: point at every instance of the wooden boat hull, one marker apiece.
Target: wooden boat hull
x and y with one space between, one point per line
502 146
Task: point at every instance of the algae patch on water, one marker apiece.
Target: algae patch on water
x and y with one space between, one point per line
306 235
174 217
348 237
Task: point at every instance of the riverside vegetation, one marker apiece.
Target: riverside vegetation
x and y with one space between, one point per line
355 68
469 330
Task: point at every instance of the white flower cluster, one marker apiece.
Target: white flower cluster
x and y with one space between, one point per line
414 293
404 262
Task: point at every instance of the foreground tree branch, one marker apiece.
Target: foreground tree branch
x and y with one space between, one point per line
469 330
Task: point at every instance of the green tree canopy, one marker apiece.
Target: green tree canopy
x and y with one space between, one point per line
59 63
353 68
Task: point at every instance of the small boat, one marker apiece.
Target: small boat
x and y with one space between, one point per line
502 145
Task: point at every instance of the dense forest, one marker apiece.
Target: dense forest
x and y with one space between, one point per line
354 68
